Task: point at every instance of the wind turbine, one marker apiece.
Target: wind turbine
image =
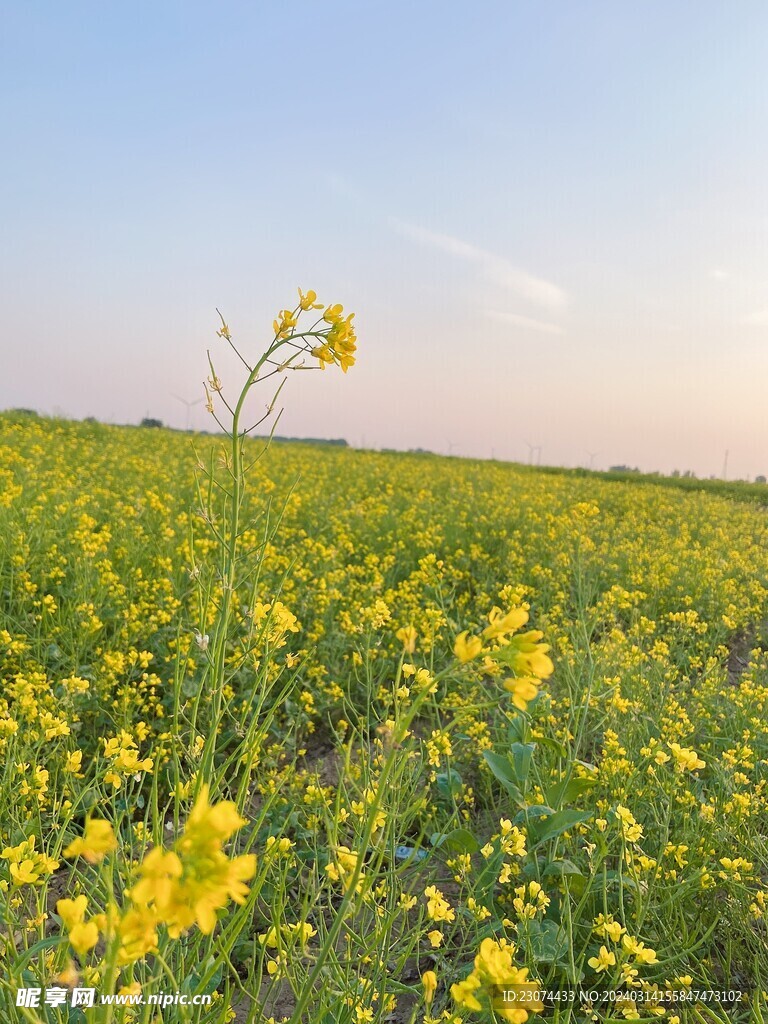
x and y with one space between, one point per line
188 404
592 456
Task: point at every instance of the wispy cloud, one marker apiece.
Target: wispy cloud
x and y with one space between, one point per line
719 275
498 270
526 322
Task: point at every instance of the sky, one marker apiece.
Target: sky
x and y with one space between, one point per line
551 219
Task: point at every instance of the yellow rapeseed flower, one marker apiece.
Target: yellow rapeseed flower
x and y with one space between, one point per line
494 971
83 935
96 842
429 985
501 623
604 959
467 649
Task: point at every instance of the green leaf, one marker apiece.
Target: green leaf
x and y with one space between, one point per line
522 754
485 884
534 811
449 784
550 744
568 790
555 825
460 839
519 729
193 981
504 771
567 869
559 868
546 941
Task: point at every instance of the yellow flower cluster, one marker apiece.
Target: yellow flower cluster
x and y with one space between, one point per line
96 842
276 621
123 754
83 935
334 333
179 887
188 884
343 866
523 654
340 341
27 865
496 981
438 908
530 900
686 760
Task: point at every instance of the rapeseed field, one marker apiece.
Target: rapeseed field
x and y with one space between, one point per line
300 733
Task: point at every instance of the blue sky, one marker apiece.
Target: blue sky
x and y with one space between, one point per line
550 218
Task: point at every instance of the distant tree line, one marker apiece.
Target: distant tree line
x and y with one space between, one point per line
340 442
